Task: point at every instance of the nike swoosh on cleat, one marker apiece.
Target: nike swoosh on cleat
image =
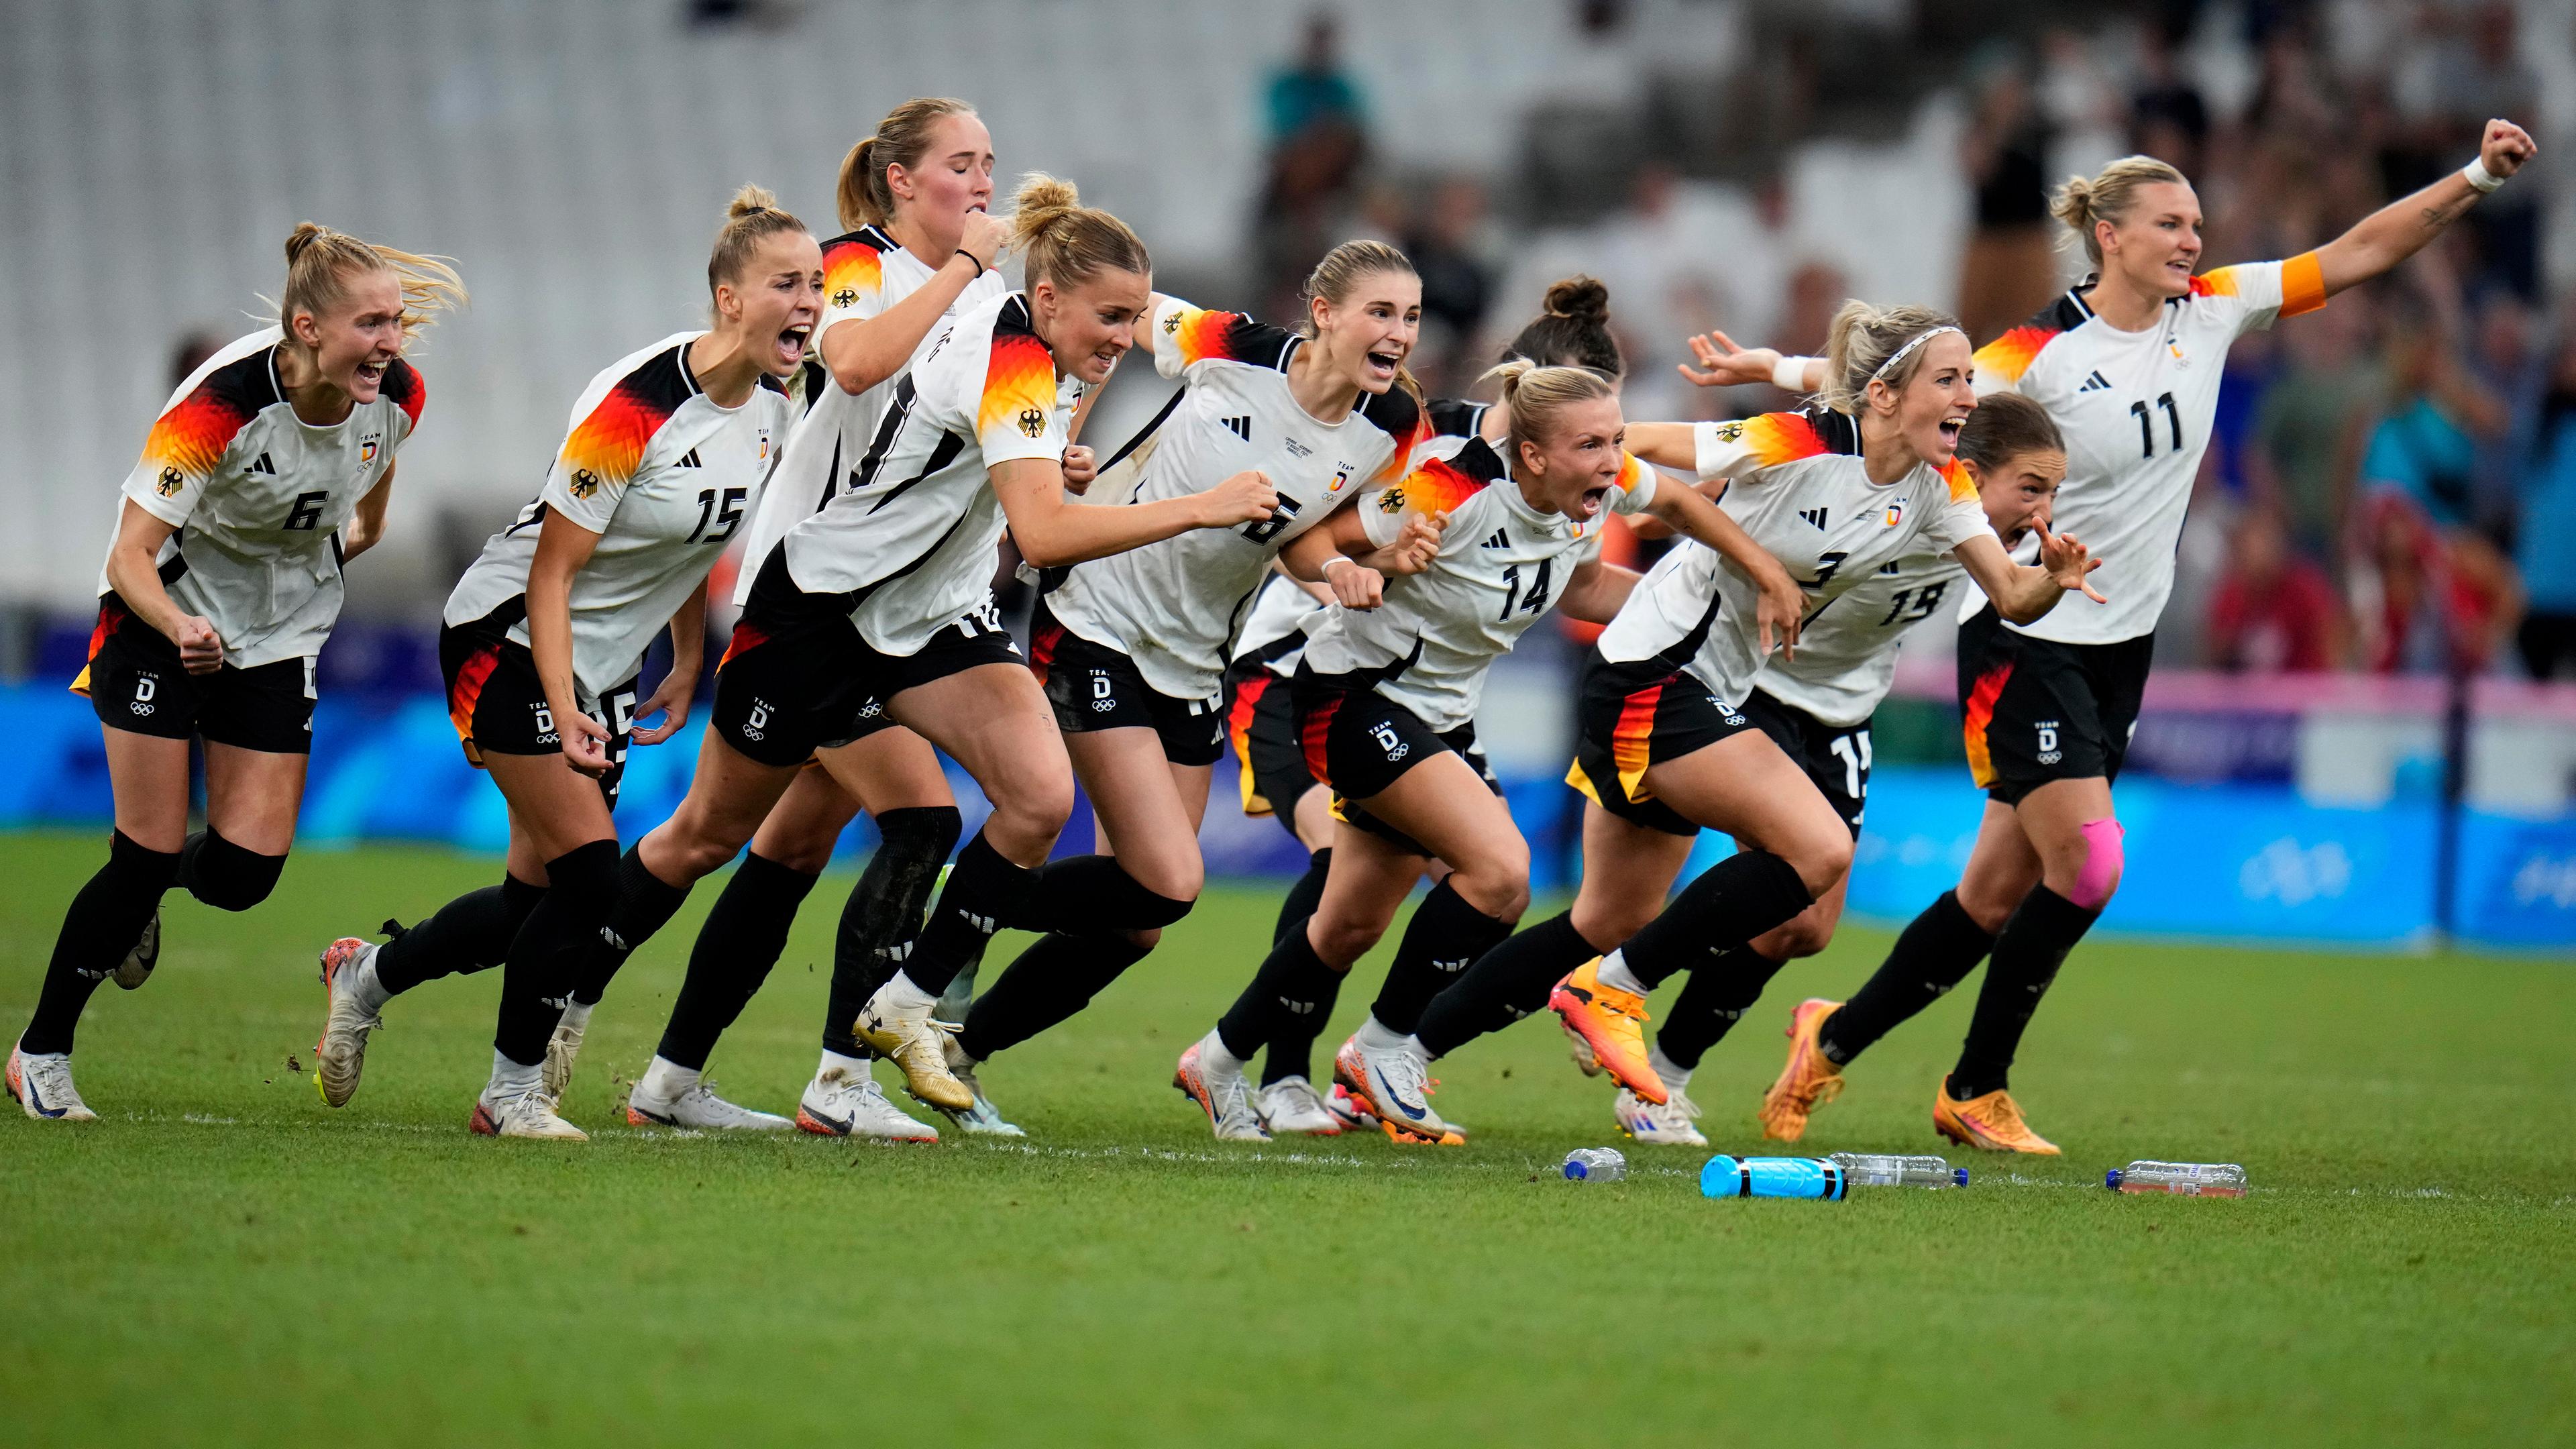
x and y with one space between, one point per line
1392 1097
838 1129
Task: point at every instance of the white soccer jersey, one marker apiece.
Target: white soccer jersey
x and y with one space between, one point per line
1799 490
1846 656
1501 564
664 477
1171 606
258 497
864 273
913 539
2137 409
1280 608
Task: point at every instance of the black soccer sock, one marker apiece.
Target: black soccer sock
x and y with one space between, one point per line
470 933
1052 980
1083 893
741 940
1732 902
224 875
641 904
1713 1000
106 918
1291 988
1506 983
1443 939
883 915
985 892
553 947
1304 896
2028 951
1936 952
1291 1050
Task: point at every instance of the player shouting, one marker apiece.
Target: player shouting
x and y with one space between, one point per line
2129 363
544 637
270 467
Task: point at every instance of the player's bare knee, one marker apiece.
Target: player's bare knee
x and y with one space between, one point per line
1496 888
1144 940
1805 936
1823 861
1603 924
2096 863
1340 942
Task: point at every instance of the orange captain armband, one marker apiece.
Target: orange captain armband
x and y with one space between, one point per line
2303 284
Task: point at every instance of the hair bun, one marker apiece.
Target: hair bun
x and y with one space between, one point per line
306 233
751 200
1583 299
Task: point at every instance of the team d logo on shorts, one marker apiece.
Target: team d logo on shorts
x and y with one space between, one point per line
1389 741
1102 701
145 687
2049 754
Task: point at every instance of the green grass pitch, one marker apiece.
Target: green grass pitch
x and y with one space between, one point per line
224 1260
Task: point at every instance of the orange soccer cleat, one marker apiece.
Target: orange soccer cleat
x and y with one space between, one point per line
1612 1022
1808 1081
1991 1123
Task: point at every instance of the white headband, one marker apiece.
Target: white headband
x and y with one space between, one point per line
1917 340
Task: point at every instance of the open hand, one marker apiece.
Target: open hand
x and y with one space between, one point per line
2067 562
1723 364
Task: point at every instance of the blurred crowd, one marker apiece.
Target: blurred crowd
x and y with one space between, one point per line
2394 484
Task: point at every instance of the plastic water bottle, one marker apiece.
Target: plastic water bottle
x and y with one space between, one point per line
1811 1177
1878 1169
1595 1164
2181 1179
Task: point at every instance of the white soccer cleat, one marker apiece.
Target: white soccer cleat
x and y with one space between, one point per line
843 1103
137 966
1350 1111
1670 1122
340 1057
1222 1093
1292 1104
696 1106
1393 1083
42 1083
521 1109
563 1048
983 1119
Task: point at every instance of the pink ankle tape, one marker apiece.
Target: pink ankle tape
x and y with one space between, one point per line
2101 873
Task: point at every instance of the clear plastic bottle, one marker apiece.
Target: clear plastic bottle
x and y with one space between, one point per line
1878 1169
2181 1179
1596 1164
1807 1177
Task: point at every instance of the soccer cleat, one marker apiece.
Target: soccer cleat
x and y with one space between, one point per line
1808 1081
1291 1104
1225 1096
983 1119
917 1046
1991 1123
841 1103
341 1055
697 1106
1668 1121
42 1083
1394 1085
1612 1023
1579 1047
1350 1111
522 1110
562 1048
137 966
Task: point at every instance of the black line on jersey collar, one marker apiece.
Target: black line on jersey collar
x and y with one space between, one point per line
876 236
2075 294
688 379
1143 433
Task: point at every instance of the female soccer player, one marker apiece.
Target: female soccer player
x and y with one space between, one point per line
543 640
1131 648
1816 705
1866 478
1571 330
884 598
920 249
1386 703
269 468
2129 364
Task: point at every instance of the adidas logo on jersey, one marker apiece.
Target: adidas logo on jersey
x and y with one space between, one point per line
689 459
2094 382
1241 427
1498 540
1815 516
264 466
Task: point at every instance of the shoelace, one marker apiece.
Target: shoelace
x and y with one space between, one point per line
52 1082
1302 1097
1406 1076
2002 1119
1677 1103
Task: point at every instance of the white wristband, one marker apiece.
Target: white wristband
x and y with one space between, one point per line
1789 374
1326 567
2477 175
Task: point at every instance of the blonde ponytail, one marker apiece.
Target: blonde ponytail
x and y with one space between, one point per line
319 262
865 197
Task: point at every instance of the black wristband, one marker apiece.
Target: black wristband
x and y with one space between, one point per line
980 267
